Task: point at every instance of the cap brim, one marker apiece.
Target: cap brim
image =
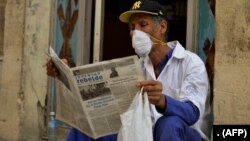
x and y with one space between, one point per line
124 17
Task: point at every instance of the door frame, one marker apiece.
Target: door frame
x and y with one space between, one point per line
98 30
192 25
191 32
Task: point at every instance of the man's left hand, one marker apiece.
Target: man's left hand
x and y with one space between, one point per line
154 91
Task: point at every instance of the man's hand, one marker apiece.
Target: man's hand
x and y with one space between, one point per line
154 91
51 68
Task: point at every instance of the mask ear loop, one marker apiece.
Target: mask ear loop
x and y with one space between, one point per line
157 40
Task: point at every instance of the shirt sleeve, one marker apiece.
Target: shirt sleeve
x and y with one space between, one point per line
185 110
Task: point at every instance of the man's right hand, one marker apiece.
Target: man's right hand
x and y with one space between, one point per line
51 68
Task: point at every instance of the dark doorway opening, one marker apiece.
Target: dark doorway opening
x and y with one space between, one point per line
116 39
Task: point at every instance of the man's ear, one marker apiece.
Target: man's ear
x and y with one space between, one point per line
164 26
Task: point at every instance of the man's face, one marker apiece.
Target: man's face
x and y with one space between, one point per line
145 23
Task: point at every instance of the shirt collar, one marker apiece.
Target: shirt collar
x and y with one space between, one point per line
179 50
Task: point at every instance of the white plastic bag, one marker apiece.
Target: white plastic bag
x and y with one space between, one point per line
136 121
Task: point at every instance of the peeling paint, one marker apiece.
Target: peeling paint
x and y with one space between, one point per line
206 27
33 6
24 78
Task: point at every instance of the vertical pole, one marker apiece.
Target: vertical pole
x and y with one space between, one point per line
192 25
84 32
98 30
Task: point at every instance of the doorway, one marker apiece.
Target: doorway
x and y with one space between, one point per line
116 39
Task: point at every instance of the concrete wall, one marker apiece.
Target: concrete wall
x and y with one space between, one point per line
36 43
24 80
10 96
232 62
2 13
2 9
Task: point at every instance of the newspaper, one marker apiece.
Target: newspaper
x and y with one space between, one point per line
91 98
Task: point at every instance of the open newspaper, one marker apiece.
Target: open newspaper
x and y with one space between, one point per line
91 98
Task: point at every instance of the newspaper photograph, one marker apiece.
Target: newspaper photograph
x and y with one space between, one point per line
91 97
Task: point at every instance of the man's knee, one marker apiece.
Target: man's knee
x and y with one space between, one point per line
170 122
171 128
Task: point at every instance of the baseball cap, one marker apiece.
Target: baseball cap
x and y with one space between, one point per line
144 6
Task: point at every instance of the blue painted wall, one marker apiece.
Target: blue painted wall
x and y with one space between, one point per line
59 37
206 27
66 16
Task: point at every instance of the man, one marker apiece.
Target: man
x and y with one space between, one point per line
113 73
175 79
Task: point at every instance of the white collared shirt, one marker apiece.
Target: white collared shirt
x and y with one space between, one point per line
184 78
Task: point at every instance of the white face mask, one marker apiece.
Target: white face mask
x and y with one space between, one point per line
142 43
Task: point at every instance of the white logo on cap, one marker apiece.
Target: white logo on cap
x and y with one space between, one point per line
160 12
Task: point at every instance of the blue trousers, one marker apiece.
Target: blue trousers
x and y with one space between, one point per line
167 128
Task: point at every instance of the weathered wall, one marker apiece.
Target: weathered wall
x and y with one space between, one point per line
232 62
2 14
36 43
24 79
10 95
2 9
